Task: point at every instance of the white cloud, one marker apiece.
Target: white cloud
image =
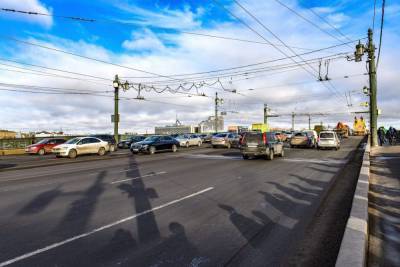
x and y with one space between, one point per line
164 17
144 42
29 5
195 54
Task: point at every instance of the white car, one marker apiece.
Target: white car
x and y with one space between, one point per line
81 145
186 140
328 139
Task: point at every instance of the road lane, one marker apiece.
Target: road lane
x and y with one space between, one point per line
247 196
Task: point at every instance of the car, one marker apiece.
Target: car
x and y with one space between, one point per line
300 139
281 136
44 146
313 136
261 144
133 139
227 140
288 134
208 137
155 143
186 140
80 146
108 138
328 139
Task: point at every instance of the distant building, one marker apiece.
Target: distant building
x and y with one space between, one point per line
48 134
5 134
176 129
208 125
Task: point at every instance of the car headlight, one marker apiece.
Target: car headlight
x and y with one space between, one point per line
145 146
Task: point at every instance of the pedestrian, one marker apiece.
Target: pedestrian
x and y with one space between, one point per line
381 136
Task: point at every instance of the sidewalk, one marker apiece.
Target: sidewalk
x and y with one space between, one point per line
384 207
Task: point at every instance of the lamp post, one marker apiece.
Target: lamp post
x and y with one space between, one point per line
115 118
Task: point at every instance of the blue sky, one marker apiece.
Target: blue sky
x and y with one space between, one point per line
149 35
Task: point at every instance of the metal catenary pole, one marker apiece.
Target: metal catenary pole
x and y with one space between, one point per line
216 113
116 115
373 89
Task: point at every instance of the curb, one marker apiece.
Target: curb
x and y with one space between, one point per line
354 246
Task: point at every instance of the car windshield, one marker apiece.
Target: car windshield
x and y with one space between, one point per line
326 135
44 141
221 135
300 134
152 138
182 136
73 141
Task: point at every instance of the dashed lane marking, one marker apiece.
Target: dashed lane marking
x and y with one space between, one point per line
139 177
107 226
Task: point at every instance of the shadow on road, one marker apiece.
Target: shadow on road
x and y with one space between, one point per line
78 215
40 202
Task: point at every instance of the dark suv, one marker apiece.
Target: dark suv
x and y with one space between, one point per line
108 138
261 144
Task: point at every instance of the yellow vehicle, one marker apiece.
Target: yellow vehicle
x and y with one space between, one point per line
359 126
260 127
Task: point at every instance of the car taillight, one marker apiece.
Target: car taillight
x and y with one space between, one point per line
265 141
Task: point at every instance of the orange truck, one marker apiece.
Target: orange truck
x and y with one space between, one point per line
342 129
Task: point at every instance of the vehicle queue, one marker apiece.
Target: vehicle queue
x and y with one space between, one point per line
250 143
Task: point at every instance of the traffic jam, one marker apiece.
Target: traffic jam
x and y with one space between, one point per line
257 142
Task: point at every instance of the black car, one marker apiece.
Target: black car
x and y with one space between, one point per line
131 140
155 143
108 138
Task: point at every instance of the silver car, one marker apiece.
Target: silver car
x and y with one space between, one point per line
328 139
227 140
187 140
81 145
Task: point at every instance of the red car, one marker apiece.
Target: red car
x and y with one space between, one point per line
44 146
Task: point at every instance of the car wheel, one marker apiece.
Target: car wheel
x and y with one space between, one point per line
174 148
199 144
41 152
72 154
152 150
245 156
214 146
187 144
102 151
282 153
271 155
112 148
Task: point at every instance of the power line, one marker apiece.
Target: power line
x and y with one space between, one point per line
329 24
273 34
373 17
55 69
307 20
380 35
81 19
42 73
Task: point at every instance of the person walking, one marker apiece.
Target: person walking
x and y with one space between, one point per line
381 136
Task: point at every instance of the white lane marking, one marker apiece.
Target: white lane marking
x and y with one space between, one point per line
332 161
204 156
69 240
138 177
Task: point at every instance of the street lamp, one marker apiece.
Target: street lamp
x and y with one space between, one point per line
116 82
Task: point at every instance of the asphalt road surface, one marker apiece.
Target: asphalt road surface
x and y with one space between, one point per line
196 207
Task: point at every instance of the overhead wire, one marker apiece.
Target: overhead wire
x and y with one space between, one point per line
83 19
380 34
311 22
272 33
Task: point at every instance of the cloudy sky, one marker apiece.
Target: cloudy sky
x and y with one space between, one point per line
56 69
